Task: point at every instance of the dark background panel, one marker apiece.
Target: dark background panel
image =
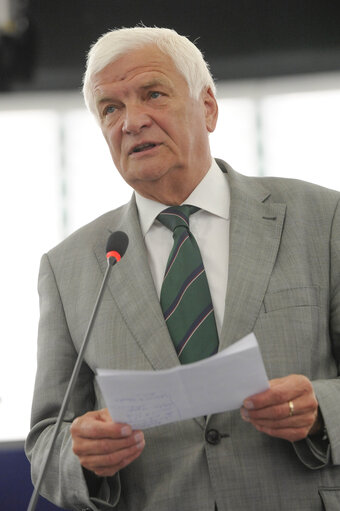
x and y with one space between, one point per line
240 38
15 482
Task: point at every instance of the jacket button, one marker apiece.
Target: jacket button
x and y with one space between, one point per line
212 436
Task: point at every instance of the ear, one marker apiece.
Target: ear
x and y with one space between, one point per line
211 109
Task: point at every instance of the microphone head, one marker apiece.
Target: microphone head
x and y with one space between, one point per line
116 245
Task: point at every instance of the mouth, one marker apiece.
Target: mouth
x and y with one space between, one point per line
147 146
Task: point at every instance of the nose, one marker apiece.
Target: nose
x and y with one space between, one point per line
135 119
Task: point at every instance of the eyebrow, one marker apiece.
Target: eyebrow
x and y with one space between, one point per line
154 83
103 100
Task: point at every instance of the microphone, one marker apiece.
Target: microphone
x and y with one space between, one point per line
116 246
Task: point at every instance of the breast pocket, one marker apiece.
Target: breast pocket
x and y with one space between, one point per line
287 330
330 498
287 298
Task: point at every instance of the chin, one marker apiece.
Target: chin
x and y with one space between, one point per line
151 173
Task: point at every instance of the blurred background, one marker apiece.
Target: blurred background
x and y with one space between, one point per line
277 69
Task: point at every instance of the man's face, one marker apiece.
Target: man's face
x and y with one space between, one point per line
157 133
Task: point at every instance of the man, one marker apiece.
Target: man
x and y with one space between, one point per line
270 249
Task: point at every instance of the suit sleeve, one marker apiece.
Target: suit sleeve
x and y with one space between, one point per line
316 454
65 483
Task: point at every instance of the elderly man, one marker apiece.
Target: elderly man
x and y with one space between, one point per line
266 255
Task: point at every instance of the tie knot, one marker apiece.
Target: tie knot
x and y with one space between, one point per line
177 216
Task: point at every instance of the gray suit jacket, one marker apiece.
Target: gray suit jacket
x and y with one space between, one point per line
284 284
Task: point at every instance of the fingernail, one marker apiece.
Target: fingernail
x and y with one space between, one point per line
248 404
139 437
244 414
140 445
126 431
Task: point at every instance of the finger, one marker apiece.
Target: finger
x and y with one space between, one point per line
101 446
98 424
111 459
301 405
112 470
282 390
109 464
299 421
290 434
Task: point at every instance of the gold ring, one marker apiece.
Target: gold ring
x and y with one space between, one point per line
291 408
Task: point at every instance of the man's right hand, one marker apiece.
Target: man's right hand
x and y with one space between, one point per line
104 446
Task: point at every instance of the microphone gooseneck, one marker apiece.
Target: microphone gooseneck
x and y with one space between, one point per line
115 249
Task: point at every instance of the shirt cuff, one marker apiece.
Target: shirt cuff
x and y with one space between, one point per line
314 451
104 492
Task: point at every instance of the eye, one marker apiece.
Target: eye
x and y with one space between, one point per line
155 94
109 109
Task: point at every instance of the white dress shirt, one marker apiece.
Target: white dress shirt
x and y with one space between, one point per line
210 226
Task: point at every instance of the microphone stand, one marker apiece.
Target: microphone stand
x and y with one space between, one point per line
111 260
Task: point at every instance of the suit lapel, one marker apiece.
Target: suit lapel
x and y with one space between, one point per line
134 294
255 233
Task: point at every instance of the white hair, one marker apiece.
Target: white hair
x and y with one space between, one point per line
186 56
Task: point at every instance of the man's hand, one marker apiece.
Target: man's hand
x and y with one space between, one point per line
103 446
287 410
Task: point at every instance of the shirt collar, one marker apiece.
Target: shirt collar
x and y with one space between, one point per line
212 194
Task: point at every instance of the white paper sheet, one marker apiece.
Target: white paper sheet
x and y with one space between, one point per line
145 399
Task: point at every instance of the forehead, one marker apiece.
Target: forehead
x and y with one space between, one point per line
145 63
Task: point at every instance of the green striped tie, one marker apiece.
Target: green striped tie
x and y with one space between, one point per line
185 295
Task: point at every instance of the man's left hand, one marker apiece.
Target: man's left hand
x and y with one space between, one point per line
288 410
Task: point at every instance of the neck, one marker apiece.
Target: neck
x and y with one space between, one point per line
172 192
